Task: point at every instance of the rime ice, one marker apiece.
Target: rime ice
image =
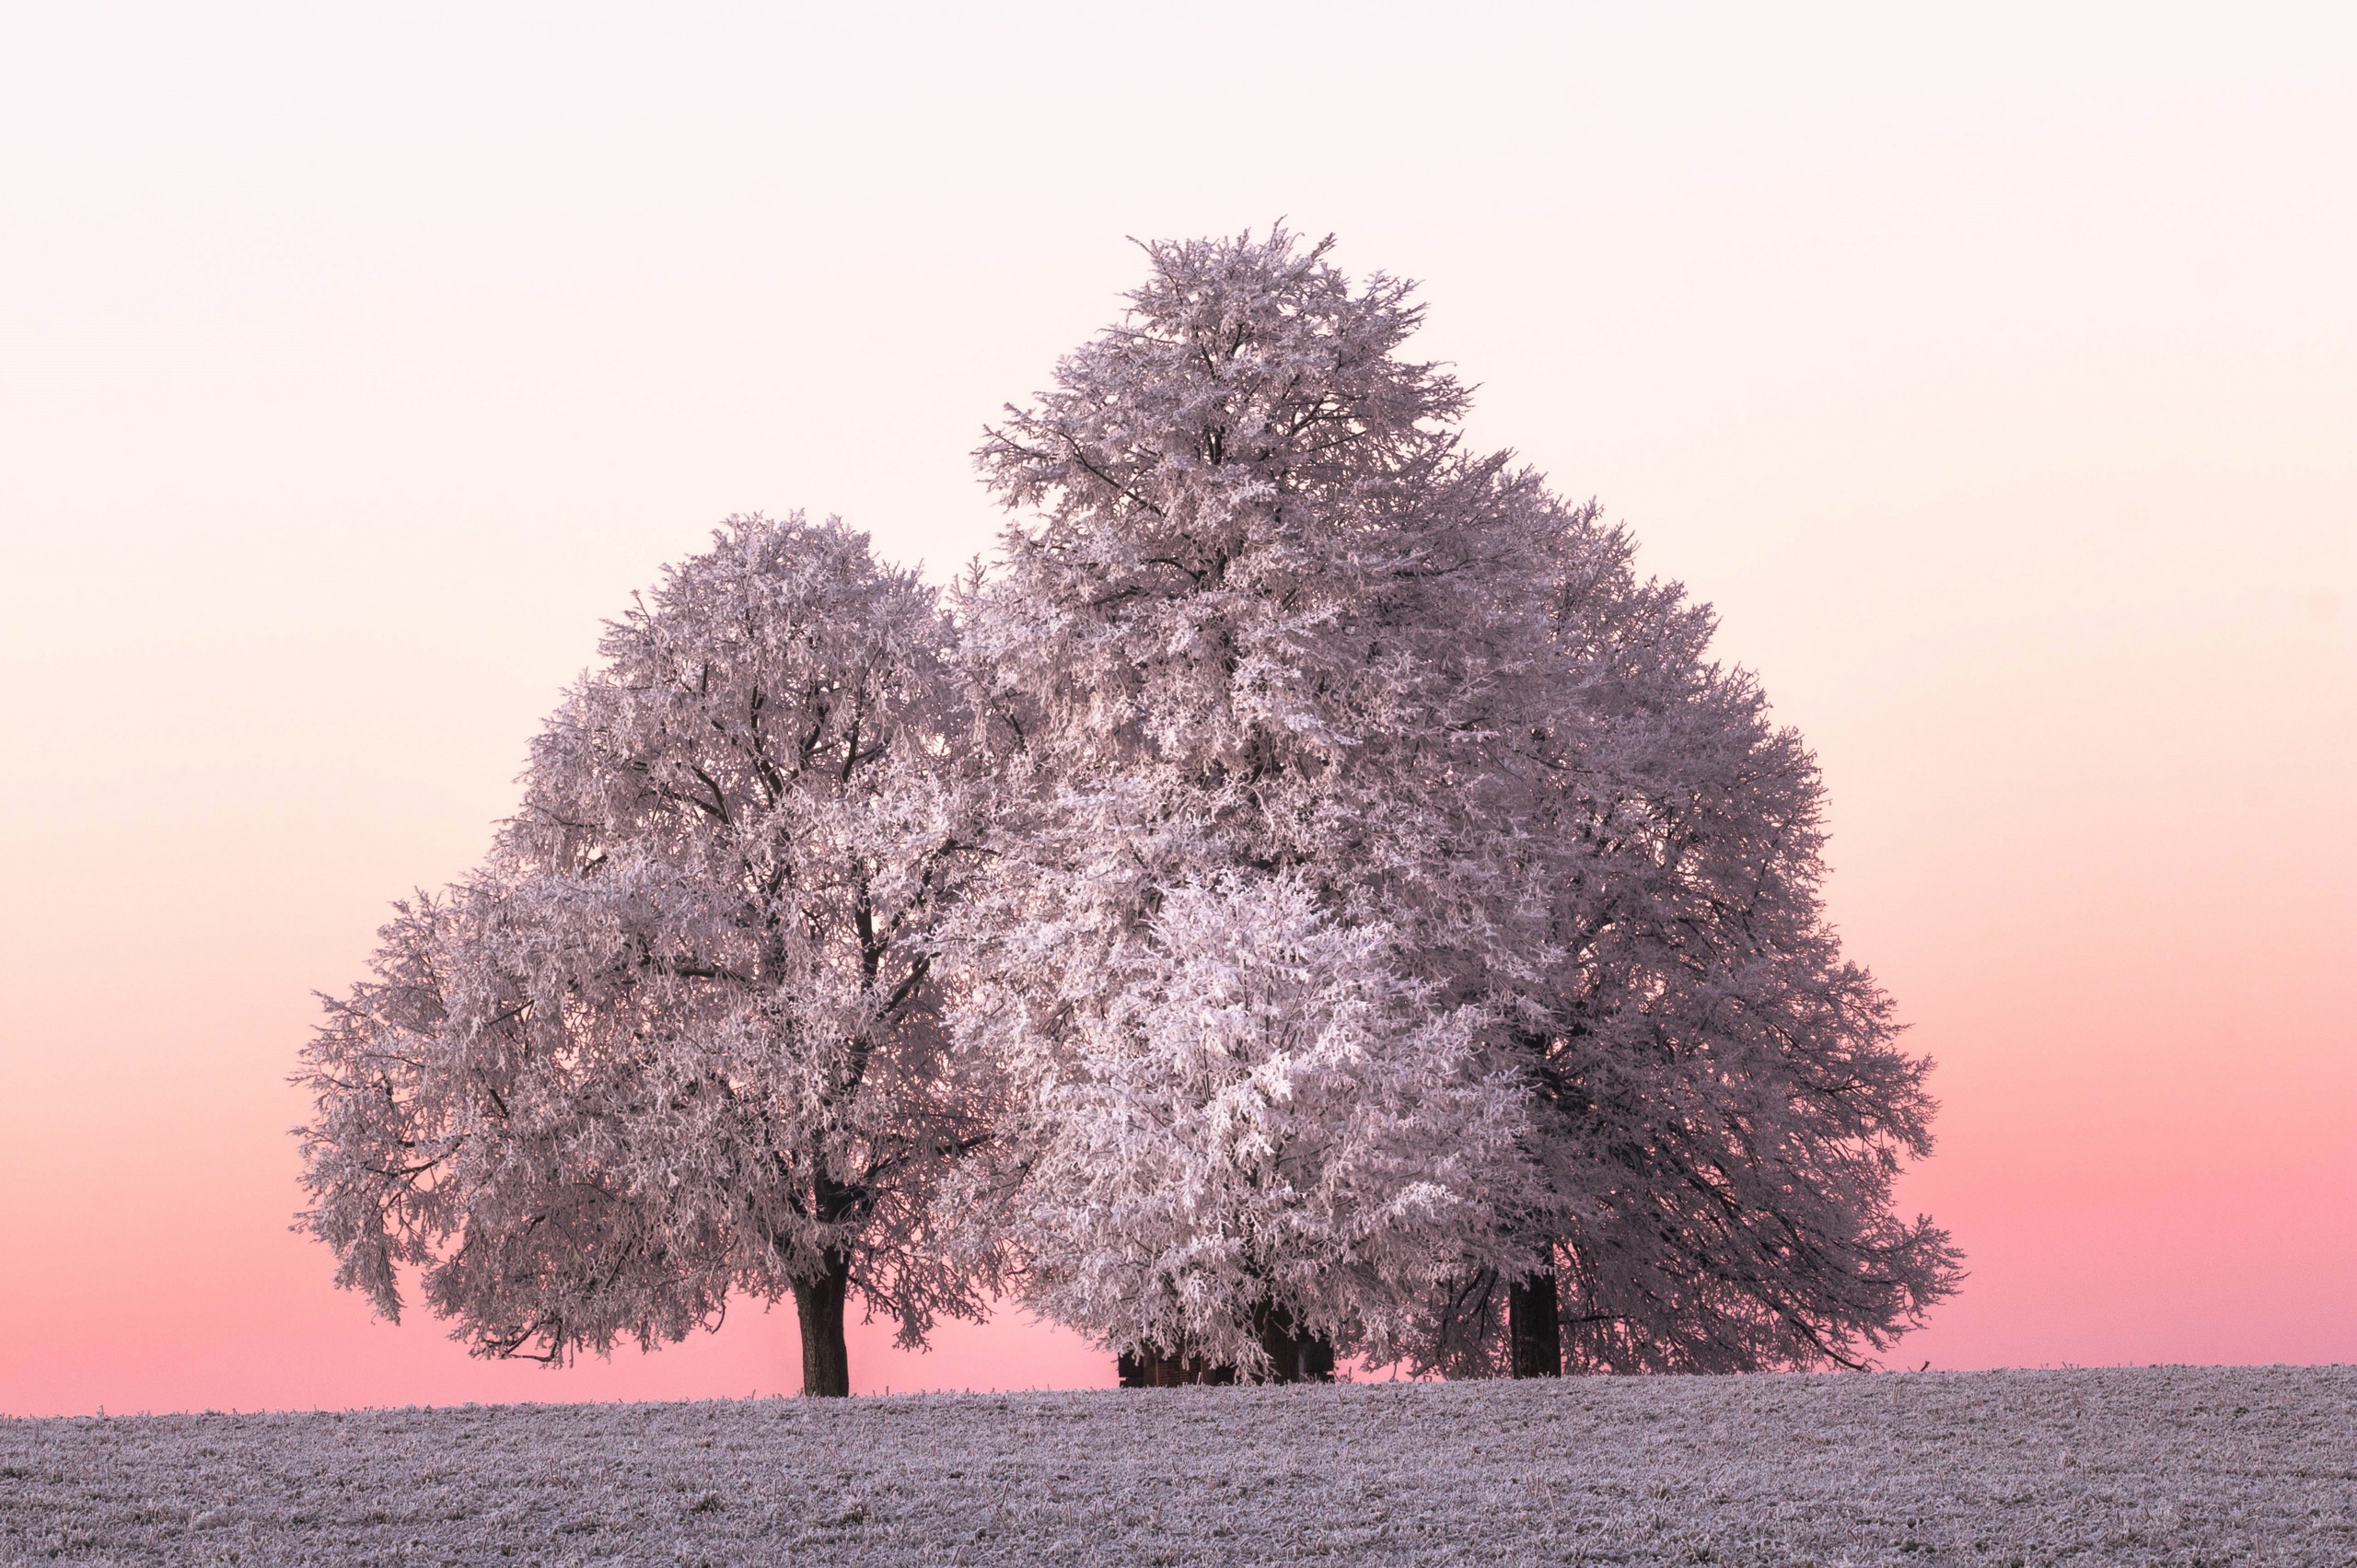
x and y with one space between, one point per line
1309 894
2126 1468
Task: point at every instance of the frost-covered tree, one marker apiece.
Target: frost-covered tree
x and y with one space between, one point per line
1719 1107
1243 651
1378 924
1266 622
1266 1140
681 1034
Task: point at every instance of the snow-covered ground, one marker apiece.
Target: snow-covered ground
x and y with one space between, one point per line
2187 1466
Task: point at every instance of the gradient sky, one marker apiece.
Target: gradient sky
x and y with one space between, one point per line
1996 377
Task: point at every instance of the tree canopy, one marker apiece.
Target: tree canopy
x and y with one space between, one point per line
682 1033
1306 893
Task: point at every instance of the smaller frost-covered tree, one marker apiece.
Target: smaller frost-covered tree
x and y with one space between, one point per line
1268 1141
681 1034
1719 1103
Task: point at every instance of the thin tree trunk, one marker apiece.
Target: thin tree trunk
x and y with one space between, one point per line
1534 1324
826 1360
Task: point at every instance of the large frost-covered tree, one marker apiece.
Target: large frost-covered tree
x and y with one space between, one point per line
1377 922
681 1034
1269 632
1242 652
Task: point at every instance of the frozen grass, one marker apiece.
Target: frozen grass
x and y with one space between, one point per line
2167 1466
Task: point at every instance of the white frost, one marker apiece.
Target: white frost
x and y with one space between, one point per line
2123 1467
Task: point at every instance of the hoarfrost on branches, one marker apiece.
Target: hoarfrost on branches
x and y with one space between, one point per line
1312 894
680 1035
1249 656
1270 617
1719 1102
1267 1134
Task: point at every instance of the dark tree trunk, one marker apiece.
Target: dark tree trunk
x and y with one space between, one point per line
1147 1367
818 1303
1534 1324
826 1360
1151 1368
1293 1357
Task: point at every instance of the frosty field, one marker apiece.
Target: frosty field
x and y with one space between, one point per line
2184 1465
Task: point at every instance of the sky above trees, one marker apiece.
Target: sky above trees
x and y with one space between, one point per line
1991 384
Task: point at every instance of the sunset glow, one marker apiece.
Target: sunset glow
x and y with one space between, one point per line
1999 387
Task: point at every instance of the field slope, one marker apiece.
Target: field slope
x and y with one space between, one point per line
2176 1465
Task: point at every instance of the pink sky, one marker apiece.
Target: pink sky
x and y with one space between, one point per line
1999 385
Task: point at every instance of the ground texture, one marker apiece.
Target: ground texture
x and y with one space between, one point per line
2186 1466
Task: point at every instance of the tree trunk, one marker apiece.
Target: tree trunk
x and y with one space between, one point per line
1293 1357
1534 1324
826 1360
1149 1368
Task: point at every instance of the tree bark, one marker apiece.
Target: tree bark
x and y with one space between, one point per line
1293 1357
826 1360
1534 1324
1152 1368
